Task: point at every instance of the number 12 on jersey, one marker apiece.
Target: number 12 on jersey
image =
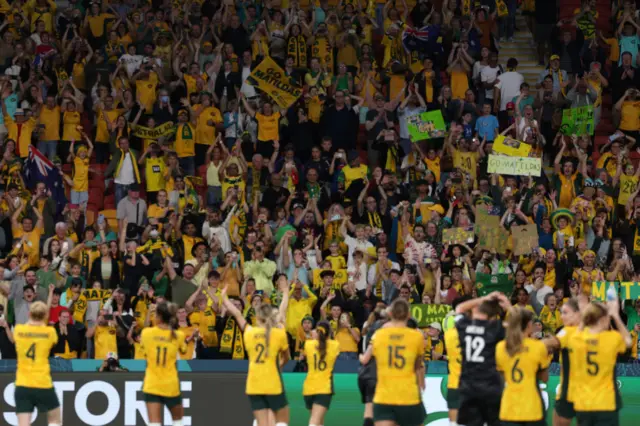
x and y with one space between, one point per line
474 345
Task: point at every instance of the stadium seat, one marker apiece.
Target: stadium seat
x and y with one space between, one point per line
110 216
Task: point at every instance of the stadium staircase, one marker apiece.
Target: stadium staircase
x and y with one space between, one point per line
523 50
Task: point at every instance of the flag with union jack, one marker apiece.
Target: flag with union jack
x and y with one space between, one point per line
39 168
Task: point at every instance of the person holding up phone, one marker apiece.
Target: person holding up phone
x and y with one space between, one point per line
104 335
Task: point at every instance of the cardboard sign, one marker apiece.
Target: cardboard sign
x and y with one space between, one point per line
457 236
517 166
511 147
271 79
578 121
525 239
487 216
487 283
427 314
428 125
493 238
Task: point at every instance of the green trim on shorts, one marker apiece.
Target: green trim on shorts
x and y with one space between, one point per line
323 400
453 399
168 401
268 402
27 399
403 415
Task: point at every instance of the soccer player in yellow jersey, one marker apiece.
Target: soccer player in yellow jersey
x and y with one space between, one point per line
321 353
571 318
267 349
399 354
34 386
454 361
161 345
596 350
522 361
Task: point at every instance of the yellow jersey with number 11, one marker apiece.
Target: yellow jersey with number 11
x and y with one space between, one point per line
161 347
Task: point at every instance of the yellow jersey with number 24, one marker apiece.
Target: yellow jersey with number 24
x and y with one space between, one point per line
264 361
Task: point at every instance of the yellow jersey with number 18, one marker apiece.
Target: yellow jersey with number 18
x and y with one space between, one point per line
264 360
33 346
397 350
454 357
521 381
319 379
161 347
596 355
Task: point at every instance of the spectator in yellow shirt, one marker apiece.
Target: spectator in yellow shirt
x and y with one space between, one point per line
80 175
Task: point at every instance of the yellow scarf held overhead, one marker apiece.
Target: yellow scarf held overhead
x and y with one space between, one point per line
134 162
297 49
231 342
165 129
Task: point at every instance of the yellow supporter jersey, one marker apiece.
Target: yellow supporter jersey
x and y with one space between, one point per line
396 351
71 121
185 140
33 345
80 174
102 132
319 379
264 360
567 373
205 131
105 341
454 357
146 90
206 323
161 347
595 356
191 346
154 171
628 185
268 126
521 382
50 120
354 173
466 161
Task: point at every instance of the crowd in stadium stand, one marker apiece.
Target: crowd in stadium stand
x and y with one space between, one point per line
143 160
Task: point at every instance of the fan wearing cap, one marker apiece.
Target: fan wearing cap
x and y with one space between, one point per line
560 77
20 128
80 173
434 344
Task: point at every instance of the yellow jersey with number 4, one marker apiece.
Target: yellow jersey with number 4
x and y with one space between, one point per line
319 379
160 347
33 346
396 350
521 381
264 361
454 357
595 356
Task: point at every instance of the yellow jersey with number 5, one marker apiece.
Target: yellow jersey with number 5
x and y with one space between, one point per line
396 350
264 361
160 348
33 346
454 357
319 379
595 358
521 381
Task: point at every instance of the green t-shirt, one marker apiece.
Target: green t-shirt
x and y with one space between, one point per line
160 287
632 317
46 278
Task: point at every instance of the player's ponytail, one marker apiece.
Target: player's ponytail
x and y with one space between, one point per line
517 323
166 312
267 316
593 313
324 333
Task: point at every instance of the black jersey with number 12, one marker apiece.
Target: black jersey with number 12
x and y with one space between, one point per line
478 339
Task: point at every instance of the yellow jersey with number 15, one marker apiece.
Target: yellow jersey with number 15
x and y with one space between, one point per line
264 361
319 379
396 350
521 381
595 356
160 347
33 346
454 357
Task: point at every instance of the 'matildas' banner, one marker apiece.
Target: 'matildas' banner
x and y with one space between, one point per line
427 314
518 166
271 79
155 133
627 290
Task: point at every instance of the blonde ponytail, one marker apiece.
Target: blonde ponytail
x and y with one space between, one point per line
517 323
267 315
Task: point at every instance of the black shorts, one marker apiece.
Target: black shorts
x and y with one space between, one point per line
538 423
477 410
319 399
565 409
598 418
402 415
367 389
268 402
29 398
167 401
453 399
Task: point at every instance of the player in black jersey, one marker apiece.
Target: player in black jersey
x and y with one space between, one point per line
367 375
480 384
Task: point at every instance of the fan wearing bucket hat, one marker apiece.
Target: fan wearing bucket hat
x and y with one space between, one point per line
588 273
562 221
434 345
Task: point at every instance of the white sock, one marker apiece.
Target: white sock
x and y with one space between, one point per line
282 424
155 424
54 424
177 422
255 423
453 423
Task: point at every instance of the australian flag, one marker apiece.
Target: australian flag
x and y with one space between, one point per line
38 168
